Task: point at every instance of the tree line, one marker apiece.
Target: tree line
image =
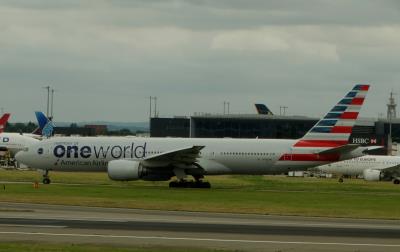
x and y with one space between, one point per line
31 127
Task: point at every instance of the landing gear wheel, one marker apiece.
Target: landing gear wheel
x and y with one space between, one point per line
396 181
340 180
173 184
189 184
201 184
46 179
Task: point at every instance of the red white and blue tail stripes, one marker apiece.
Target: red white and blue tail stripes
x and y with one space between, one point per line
335 128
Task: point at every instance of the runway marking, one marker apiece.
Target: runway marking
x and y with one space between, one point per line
201 239
206 221
30 226
270 223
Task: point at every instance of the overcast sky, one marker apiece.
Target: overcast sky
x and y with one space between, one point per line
105 58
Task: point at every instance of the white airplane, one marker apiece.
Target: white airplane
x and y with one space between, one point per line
12 142
371 167
15 142
131 158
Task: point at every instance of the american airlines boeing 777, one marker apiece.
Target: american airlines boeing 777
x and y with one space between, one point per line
133 158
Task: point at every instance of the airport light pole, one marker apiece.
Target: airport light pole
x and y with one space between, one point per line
390 136
48 99
52 104
391 113
150 99
226 107
284 110
155 113
155 106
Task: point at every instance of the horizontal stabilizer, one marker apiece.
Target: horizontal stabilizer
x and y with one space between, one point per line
341 149
370 149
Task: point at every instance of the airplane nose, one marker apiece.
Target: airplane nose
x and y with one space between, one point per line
20 156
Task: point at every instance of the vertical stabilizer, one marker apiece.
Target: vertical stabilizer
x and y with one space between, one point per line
45 125
262 109
3 121
335 127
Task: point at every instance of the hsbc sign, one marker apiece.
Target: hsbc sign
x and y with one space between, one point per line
364 140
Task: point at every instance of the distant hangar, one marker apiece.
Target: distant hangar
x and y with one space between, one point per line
367 131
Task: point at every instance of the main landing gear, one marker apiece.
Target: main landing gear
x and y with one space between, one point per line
46 179
189 184
183 183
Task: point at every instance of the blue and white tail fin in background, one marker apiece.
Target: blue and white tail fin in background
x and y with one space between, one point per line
45 125
335 128
3 121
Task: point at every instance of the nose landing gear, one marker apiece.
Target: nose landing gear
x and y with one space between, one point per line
46 179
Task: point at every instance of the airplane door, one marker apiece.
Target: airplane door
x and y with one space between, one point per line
288 155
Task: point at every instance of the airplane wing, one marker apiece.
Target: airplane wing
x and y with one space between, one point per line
186 155
393 169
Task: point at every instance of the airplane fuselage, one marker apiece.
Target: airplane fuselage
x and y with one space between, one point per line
356 166
15 142
219 156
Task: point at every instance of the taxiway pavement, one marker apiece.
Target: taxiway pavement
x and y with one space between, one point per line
126 227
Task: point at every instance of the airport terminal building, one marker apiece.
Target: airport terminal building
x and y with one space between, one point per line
367 131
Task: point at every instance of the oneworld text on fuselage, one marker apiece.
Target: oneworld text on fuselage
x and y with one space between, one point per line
100 151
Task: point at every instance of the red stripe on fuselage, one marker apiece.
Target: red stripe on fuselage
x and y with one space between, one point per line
357 101
342 129
349 115
310 157
320 143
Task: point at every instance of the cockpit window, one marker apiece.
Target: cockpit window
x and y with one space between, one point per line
40 151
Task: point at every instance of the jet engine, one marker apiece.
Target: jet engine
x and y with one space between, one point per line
372 175
125 170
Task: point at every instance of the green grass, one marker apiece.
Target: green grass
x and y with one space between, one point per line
234 194
59 247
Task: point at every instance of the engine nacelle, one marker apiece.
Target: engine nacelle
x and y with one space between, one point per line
372 175
124 170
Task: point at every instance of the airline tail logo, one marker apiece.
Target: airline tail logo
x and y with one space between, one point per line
3 121
335 128
48 129
46 126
